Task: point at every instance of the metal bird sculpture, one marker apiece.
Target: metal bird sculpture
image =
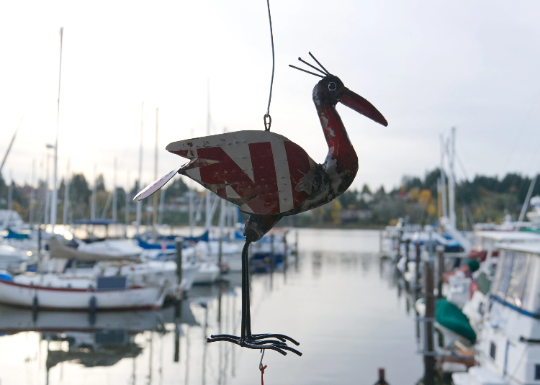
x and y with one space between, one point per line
268 177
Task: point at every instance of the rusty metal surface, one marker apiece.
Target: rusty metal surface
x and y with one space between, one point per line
256 170
267 174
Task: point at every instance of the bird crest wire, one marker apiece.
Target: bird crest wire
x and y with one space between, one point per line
322 70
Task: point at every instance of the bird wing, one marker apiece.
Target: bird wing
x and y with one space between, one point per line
256 170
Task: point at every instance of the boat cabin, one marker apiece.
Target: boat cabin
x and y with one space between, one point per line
509 348
485 246
10 219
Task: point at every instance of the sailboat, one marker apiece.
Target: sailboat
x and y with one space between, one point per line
108 283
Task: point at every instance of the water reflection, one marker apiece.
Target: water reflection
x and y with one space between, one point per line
102 348
337 298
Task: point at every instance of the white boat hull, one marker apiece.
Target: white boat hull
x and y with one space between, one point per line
208 273
48 298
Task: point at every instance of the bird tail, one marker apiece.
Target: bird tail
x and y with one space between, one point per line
156 185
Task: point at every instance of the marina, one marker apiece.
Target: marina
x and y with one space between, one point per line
374 328
296 193
420 303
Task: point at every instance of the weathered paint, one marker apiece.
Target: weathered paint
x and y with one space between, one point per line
268 176
265 173
257 170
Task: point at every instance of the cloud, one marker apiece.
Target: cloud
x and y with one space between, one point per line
426 66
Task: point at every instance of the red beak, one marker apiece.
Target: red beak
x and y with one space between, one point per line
362 106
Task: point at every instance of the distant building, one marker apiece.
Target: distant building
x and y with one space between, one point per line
365 196
353 215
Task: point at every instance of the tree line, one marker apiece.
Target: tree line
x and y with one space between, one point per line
482 199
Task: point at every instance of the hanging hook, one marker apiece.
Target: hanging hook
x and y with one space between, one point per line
267 122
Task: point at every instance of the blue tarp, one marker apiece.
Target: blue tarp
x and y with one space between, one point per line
169 244
238 235
154 246
15 235
96 222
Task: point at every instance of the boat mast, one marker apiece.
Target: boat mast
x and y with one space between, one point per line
230 221
10 195
161 205
235 219
443 181
55 188
191 212
47 190
9 147
126 212
139 203
115 196
66 194
208 196
191 191
221 233
527 199
94 192
451 177
222 219
32 193
155 197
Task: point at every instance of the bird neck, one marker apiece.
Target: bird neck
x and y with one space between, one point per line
341 163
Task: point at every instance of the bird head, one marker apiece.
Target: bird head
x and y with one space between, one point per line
330 90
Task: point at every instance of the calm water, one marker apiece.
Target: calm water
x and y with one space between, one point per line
339 302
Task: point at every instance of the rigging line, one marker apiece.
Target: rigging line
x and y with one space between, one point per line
523 126
534 163
534 158
267 117
468 214
462 166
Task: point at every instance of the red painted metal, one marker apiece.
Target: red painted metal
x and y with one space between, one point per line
257 170
267 174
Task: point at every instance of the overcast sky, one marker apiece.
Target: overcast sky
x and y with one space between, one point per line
427 66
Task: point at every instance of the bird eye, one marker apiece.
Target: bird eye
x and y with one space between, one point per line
331 86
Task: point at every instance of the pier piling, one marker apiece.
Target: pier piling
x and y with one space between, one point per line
272 254
179 245
429 358
381 380
407 248
177 326
440 270
417 267
220 254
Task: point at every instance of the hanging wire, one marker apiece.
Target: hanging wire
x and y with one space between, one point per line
267 117
262 367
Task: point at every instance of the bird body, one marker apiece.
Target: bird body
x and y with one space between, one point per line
268 176
265 173
259 171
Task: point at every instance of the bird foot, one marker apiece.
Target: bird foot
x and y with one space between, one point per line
277 342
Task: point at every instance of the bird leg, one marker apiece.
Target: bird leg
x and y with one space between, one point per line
277 342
